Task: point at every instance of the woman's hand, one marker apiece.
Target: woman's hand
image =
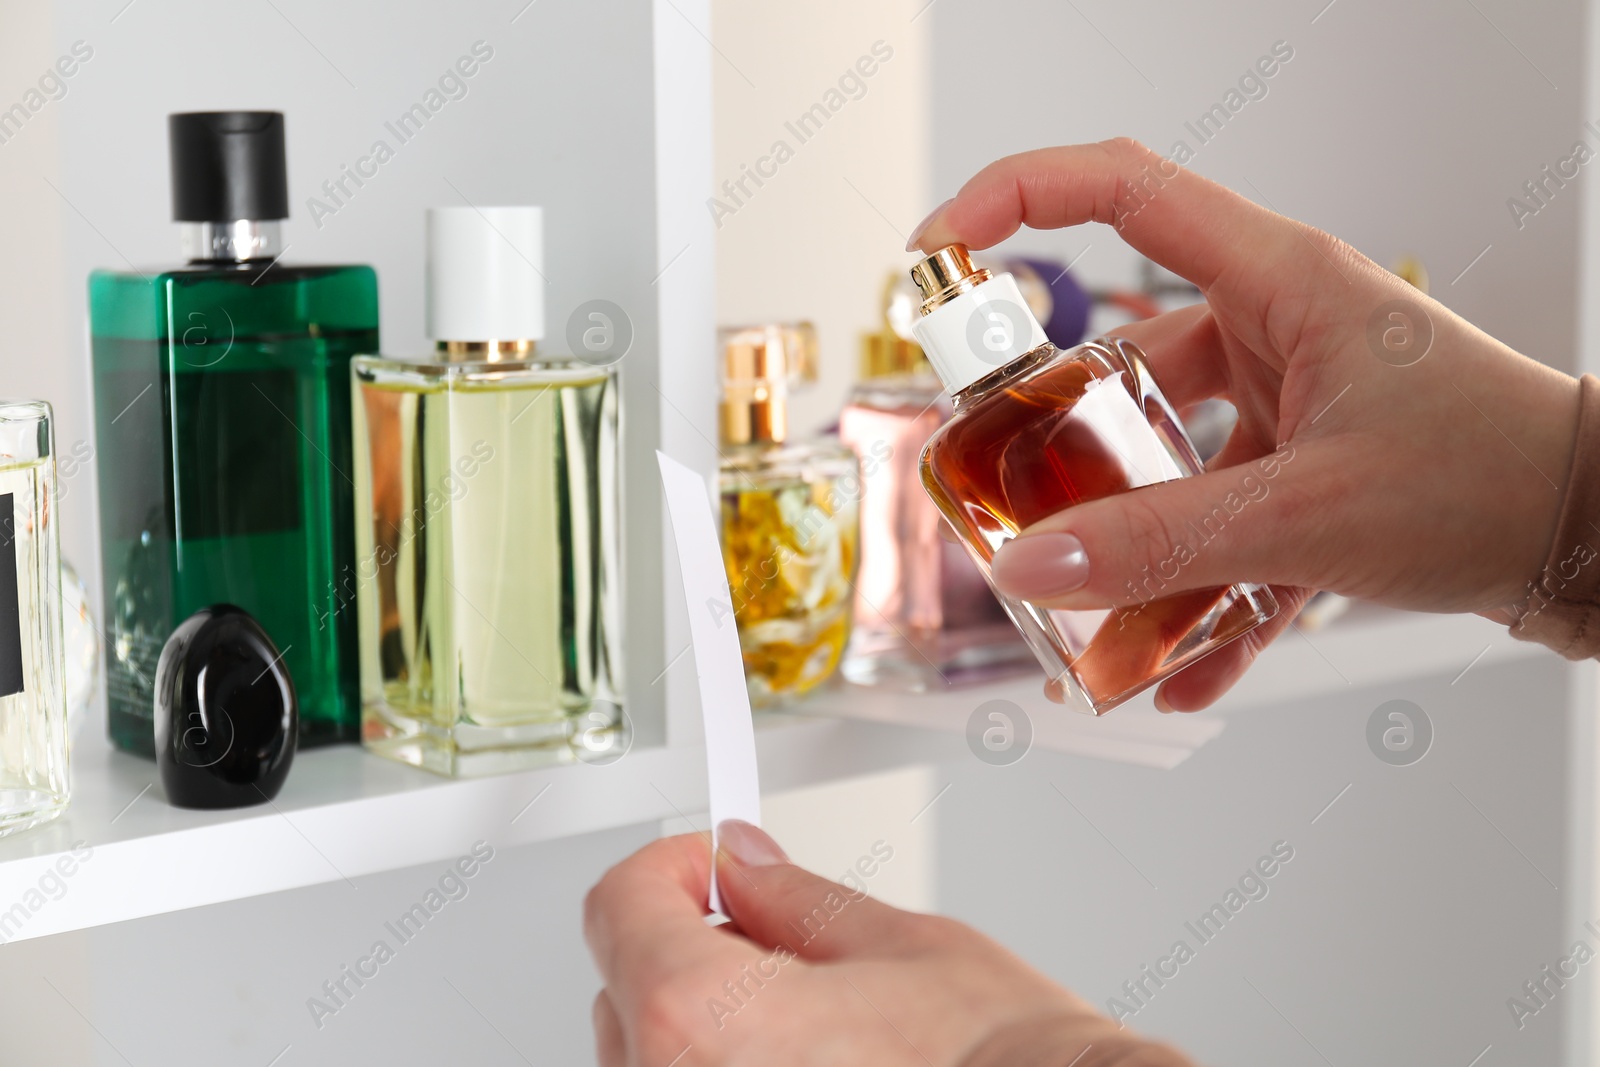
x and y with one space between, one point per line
1423 462
813 972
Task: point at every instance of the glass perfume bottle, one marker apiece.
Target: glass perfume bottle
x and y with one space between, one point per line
790 517
1036 430
222 418
80 640
488 561
34 781
924 616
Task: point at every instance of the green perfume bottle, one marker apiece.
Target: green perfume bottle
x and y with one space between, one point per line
222 420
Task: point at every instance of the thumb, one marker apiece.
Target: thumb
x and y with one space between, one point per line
1255 522
777 904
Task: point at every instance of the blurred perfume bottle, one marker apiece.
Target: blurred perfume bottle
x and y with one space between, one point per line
487 520
790 517
222 419
1037 429
80 639
924 616
34 779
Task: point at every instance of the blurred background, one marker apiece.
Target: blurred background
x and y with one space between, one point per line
1420 898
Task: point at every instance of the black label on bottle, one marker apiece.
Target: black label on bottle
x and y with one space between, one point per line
10 611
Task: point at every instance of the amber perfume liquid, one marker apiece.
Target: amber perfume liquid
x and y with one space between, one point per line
1052 429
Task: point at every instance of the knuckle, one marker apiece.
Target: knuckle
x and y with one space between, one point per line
1126 149
594 905
603 898
1338 253
1148 532
1136 177
939 931
670 1014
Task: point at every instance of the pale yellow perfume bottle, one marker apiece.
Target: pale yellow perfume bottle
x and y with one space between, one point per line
790 517
34 779
487 521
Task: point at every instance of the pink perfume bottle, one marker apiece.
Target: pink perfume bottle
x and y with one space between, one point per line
924 616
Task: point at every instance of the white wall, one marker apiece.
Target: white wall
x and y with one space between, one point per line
42 351
817 240
1402 128
1395 935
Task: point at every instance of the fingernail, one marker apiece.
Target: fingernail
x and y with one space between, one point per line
1041 566
916 234
748 845
1161 701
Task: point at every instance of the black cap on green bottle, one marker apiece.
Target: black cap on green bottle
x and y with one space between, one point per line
227 166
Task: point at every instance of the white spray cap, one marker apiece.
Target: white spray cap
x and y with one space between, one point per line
485 274
973 322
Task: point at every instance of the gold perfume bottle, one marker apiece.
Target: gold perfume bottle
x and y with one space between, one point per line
790 517
487 521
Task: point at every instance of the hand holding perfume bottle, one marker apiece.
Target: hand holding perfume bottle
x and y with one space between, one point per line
1377 421
1397 488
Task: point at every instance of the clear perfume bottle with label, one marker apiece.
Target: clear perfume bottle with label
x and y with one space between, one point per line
488 564
790 517
924 616
222 431
1037 430
34 780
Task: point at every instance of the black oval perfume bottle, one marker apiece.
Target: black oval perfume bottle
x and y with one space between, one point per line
225 711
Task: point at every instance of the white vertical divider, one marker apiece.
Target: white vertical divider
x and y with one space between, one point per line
685 300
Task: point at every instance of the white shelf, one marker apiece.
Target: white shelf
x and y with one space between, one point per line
1368 647
344 814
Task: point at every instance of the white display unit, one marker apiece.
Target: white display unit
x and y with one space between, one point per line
603 112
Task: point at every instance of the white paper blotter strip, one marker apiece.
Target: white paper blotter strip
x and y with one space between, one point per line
735 790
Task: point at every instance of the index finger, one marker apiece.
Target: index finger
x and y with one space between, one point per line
1186 223
645 919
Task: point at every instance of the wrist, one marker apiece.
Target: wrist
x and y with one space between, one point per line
1561 608
1543 424
1070 1039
